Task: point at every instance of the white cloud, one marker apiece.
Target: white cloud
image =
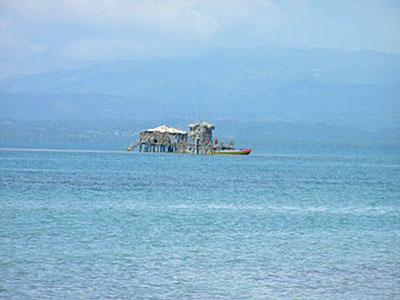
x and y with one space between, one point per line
123 29
38 47
188 17
90 29
103 49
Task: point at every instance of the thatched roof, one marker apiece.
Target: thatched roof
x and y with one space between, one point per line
166 129
202 123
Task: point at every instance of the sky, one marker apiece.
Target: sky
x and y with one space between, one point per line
45 35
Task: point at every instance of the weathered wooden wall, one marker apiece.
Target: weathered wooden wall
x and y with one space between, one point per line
162 142
167 139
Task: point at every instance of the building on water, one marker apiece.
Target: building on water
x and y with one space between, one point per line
198 140
201 140
163 139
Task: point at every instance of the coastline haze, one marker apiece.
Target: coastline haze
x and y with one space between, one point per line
309 63
313 87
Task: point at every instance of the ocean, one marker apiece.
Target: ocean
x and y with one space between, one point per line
117 225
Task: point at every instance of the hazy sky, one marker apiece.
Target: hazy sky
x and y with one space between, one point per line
48 34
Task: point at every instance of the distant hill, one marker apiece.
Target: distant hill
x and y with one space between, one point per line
359 89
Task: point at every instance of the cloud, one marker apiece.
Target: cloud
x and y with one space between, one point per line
38 47
102 29
90 30
114 49
180 17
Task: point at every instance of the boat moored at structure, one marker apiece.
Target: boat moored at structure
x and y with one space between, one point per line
233 151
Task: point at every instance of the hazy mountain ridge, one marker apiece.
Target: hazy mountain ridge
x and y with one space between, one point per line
252 64
333 87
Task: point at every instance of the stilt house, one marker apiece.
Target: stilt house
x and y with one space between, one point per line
201 140
163 139
167 139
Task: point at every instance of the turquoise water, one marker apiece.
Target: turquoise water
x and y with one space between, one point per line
90 225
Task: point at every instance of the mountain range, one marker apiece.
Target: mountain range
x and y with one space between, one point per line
347 90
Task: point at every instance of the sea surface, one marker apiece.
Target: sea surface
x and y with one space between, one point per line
116 225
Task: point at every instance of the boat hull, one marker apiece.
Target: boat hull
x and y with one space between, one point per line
233 152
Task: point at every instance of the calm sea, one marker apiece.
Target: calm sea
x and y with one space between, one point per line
95 225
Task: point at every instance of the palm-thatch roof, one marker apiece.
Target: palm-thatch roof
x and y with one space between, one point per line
166 129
